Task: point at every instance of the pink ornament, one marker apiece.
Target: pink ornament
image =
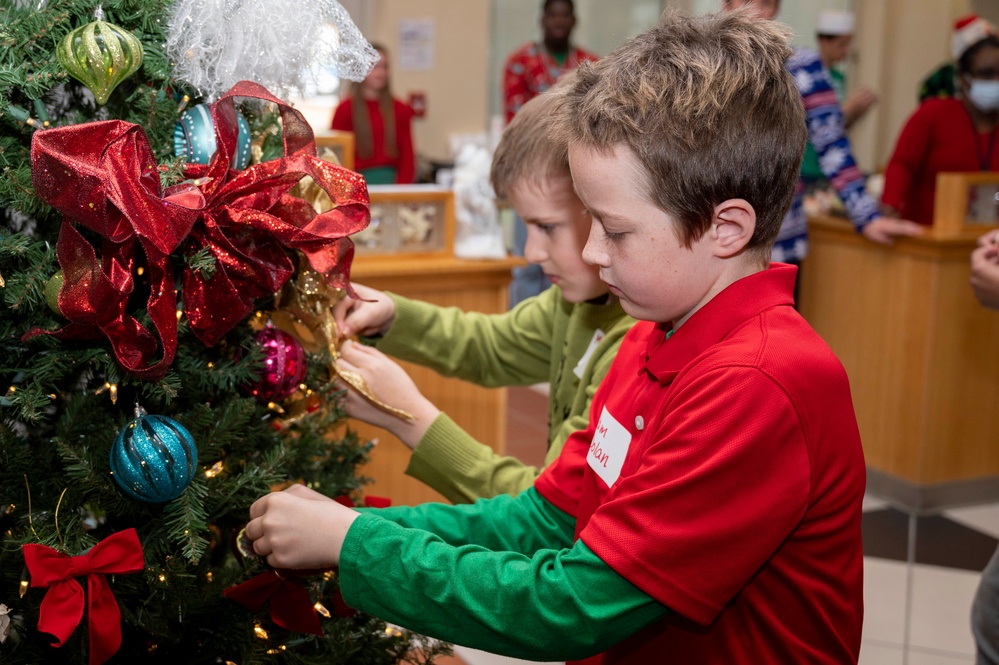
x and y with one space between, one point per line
284 365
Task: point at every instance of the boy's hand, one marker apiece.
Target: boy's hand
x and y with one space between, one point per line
985 273
884 230
360 317
391 385
990 239
299 528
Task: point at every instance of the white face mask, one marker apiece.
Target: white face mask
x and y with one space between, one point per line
984 94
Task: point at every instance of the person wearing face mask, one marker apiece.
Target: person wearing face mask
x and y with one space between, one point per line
948 134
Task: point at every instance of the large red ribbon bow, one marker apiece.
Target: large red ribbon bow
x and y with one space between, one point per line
103 177
62 607
290 604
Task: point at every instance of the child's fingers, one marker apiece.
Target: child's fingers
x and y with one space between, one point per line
303 492
360 354
340 310
254 529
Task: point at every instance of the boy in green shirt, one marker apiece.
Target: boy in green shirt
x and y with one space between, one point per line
566 336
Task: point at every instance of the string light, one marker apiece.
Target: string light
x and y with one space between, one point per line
277 650
393 631
214 470
23 589
322 610
209 576
162 578
113 391
259 631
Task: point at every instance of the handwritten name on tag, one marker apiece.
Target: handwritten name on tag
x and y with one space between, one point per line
608 448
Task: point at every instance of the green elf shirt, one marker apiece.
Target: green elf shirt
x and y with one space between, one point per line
544 338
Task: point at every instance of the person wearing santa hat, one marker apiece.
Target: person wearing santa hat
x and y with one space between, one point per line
967 30
947 134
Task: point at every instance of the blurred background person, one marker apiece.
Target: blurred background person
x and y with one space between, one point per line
967 30
529 71
834 31
947 134
535 66
382 127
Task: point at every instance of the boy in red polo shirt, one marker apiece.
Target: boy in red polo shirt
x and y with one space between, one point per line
710 513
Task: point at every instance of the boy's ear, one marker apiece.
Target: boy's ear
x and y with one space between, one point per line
732 227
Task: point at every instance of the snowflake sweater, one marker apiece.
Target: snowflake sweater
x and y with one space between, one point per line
828 135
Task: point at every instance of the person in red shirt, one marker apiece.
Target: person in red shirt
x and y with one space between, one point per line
947 134
382 127
710 511
534 67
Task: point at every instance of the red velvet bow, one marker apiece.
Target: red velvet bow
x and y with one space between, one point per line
290 605
103 176
62 607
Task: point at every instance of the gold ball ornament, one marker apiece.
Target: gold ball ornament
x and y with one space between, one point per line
100 55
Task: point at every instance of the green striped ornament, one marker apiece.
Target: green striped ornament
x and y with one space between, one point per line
100 55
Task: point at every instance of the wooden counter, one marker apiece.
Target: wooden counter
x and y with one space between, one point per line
921 353
472 285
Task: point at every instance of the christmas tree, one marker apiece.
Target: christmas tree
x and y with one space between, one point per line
150 244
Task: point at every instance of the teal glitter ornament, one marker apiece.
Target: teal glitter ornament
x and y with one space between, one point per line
153 458
194 137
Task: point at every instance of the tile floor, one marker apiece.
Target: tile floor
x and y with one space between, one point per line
919 579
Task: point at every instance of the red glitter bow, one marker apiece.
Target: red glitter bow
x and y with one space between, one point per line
103 176
62 607
290 605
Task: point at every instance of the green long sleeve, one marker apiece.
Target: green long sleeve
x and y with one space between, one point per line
451 461
542 604
581 341
528 522
507 349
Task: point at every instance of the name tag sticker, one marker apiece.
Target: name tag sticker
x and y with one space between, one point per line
608 448
580 367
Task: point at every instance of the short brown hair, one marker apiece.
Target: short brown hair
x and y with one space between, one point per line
527 150
709 110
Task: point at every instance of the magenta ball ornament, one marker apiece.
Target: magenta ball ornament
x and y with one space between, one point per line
284 365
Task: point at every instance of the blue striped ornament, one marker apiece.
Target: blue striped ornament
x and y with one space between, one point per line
194 137
153 458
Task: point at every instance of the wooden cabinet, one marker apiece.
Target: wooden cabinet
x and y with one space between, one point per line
922 356
472 285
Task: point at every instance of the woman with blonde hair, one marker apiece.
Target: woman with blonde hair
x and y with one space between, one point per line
382 127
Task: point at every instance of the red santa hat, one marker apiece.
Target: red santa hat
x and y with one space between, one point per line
968 31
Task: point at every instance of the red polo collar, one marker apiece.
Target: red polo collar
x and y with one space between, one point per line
739 302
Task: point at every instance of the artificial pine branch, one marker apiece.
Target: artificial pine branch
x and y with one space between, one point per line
186 520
